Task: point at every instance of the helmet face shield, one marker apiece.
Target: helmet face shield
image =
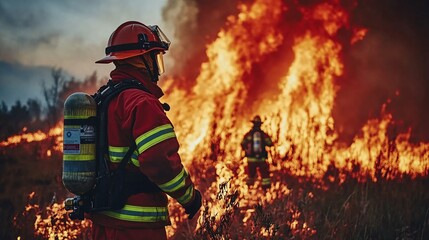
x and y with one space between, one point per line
165 44
160 62
162 38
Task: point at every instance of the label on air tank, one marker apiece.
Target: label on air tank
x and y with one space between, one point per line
71 140
87 134
77 135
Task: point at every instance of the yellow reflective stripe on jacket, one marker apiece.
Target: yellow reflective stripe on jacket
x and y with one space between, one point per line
117 153
154 136
175 183
252 159
139 214
266 181
187 196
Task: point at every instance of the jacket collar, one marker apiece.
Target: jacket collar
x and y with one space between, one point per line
123 72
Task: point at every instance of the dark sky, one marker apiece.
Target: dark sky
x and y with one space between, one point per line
39 35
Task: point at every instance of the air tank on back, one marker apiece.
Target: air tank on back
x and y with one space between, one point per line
79 150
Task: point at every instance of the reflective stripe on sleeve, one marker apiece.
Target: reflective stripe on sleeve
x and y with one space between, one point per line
175 183
117 153
154 136
187 196
266 181
139 214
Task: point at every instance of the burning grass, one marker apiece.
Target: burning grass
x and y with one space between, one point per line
326 208
49 222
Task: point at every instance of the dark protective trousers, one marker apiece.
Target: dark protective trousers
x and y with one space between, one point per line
252 168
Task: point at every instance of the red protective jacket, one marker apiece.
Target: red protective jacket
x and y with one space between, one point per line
137 116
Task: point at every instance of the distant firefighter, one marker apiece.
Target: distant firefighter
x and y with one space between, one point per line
254 145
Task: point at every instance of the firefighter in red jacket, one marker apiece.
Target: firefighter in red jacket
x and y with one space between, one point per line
254 145
137 117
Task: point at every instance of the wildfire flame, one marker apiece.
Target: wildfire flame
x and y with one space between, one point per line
52 222
298 112
300 115
55 132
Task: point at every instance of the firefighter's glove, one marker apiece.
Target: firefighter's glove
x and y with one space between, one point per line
192 208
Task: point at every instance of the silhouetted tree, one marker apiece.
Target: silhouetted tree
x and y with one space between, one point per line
3 108
35 109
51 95
3 120
19 117
30 115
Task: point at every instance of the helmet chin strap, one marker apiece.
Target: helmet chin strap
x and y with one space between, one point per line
153 75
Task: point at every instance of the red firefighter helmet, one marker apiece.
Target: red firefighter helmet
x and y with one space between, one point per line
132 39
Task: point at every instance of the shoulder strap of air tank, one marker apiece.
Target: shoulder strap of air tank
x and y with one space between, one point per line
106 92
103 96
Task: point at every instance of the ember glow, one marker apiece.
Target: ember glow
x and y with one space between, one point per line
53 223
55 132
296 103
